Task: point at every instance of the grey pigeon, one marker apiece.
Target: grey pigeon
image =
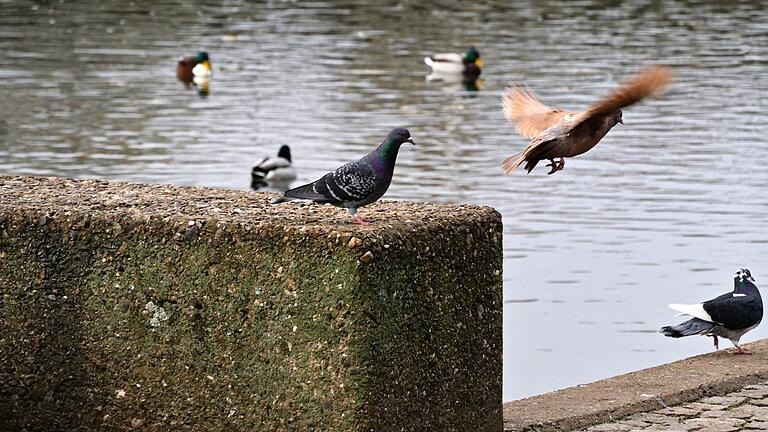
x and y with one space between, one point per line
730 315
357 183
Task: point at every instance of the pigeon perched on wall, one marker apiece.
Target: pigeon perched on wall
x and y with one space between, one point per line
557 133
357 183
277 171
729 315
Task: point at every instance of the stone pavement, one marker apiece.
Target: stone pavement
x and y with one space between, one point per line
745 409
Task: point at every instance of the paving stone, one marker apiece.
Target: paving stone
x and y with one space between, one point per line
681 428
746 409
756 387
727 401
726 414
703 407
654 419
679 411
635 424
752 393
610 427
716 424
756 413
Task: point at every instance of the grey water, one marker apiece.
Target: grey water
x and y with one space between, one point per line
665 209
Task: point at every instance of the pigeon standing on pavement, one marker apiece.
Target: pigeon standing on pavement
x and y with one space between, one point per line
557 133
357 183
730 315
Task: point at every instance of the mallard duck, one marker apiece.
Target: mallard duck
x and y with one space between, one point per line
194 69
274 171
469 65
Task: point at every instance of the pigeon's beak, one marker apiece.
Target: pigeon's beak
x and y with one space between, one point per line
621 121
410 140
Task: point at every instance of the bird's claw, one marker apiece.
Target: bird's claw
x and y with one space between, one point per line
741 351
556 166
360 221
553 170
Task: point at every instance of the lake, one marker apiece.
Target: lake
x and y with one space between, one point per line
665 209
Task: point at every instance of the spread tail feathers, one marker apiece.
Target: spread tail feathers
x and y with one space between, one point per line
693 326
511 163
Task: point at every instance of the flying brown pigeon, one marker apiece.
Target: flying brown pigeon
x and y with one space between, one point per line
557 133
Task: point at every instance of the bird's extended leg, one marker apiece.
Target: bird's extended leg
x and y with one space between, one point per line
741 351
714 338
556 166
357 219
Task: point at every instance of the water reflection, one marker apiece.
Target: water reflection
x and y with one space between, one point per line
666 207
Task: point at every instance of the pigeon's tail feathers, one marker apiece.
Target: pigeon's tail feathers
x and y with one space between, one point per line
694 310
531 165
282 199
511 163
306 191
693 326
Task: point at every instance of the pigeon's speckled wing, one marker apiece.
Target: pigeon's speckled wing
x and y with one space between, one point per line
349 183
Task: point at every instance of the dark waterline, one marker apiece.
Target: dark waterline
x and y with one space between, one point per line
663 210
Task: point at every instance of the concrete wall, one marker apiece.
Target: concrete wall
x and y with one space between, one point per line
129 306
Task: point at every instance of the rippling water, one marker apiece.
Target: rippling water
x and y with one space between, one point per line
663 210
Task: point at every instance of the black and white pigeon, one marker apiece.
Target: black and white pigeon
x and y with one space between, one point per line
357 183
274 171
730 315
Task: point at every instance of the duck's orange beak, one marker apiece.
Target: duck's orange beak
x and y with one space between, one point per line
479 62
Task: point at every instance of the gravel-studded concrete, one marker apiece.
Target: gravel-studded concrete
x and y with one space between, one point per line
132 306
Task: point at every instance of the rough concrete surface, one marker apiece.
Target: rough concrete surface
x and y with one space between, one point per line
613 399
150 307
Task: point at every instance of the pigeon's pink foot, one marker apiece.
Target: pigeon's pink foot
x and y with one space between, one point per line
741 351
358 220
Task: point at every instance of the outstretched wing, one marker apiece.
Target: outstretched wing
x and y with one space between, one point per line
527 113
647 83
